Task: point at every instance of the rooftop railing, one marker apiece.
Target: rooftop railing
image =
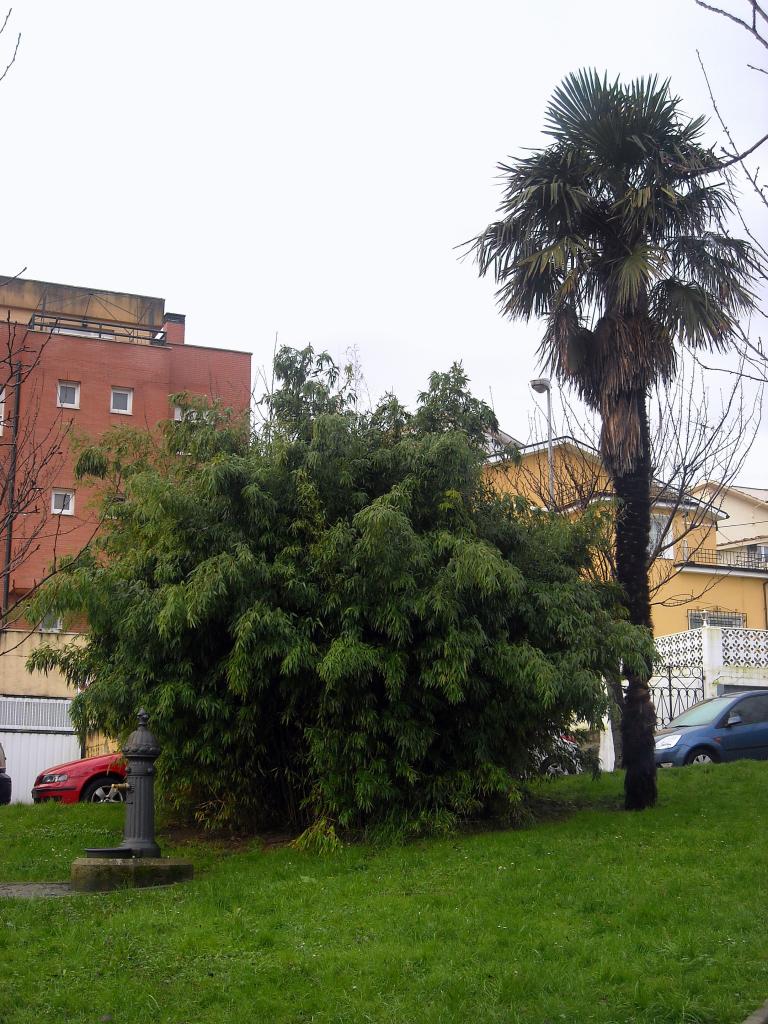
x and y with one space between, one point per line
89 327
724 559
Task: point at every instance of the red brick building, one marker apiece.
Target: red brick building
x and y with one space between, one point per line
83 360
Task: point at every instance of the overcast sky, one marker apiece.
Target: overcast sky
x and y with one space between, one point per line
309 167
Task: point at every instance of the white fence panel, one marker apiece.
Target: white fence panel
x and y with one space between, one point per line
28 753
747 647
681 650
36 733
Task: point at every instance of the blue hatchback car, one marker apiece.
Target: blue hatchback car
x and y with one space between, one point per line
720 729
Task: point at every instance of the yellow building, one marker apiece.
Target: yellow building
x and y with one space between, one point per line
15 647
745 531
693 581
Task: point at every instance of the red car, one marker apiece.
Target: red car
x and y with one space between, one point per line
91 780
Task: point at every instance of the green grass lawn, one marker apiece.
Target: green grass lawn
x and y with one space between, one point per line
601 916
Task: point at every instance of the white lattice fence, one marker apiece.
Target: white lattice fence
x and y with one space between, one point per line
682 650
745 647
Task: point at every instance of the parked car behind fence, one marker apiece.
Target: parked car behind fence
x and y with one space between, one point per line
720 729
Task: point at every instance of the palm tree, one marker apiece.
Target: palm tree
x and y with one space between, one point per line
614 236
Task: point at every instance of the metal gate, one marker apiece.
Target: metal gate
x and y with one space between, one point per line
36 733
674 690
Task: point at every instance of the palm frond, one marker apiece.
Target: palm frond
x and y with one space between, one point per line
692 314
722 266
633 273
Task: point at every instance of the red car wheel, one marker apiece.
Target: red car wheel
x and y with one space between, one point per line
102 791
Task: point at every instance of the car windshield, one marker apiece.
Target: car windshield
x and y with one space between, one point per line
702 714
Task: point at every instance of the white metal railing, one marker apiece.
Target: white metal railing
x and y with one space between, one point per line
35 714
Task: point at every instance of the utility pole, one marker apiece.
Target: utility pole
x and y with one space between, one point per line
11 490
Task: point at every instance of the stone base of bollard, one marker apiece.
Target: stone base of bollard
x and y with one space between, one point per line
91 874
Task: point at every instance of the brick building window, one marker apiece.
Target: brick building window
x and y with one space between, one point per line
51 623
2 411
122 401
62 502
68 394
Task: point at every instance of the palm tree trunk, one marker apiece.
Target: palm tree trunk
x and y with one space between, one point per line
633 525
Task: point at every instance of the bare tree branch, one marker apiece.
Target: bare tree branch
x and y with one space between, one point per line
697 437
12 61
752 178
753 361
752 29
33 458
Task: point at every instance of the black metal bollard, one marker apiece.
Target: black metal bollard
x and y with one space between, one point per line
140 750
136 863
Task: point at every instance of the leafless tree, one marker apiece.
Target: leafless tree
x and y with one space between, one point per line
698 436
33 451
32 448
751 17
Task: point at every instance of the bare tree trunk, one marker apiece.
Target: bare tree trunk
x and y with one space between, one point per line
615 713
633 526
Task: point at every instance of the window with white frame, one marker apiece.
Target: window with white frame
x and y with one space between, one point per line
661 533
2 411
121 401
702 617
51 624
62 502
68 395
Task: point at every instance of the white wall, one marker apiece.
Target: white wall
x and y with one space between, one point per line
740 676
29 753
36 733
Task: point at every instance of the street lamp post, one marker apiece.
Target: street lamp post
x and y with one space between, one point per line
541 385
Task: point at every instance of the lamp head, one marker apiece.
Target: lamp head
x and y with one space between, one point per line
541 384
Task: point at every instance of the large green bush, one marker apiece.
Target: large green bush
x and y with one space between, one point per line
333 619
